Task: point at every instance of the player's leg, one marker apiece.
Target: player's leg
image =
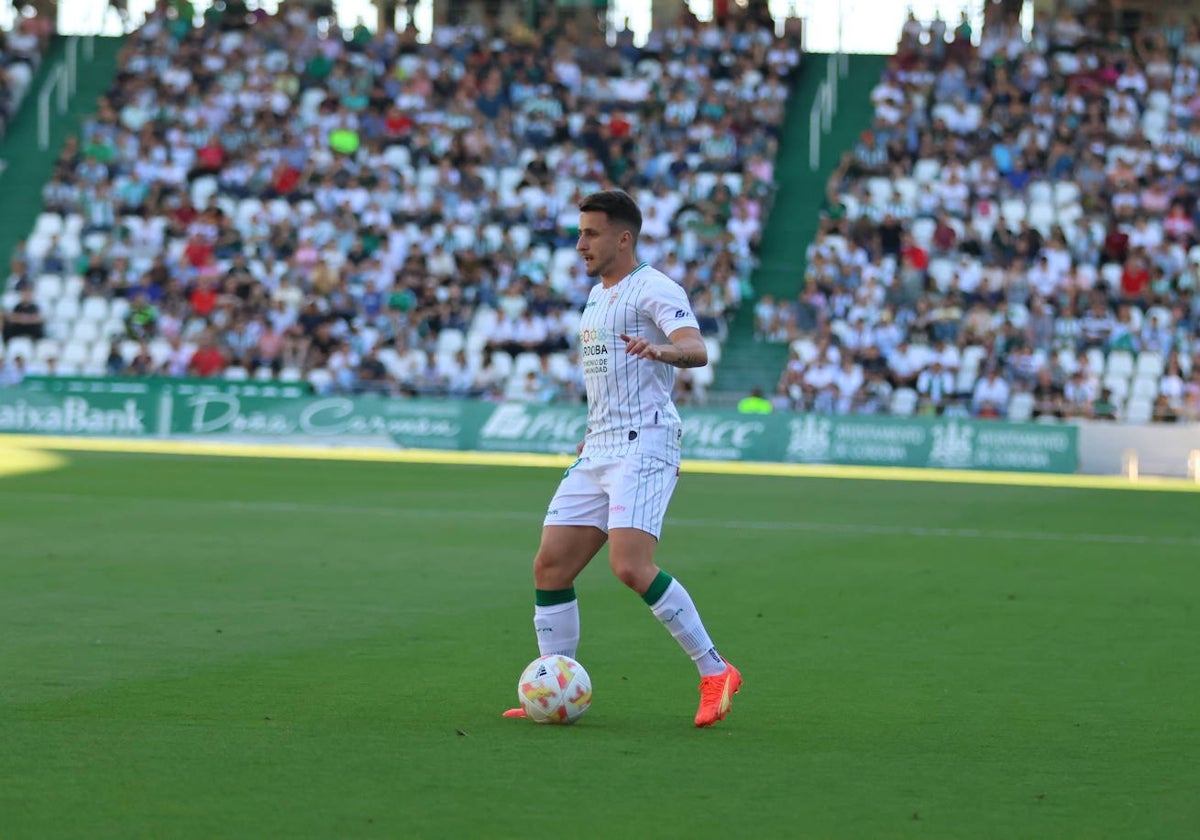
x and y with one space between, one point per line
572 534
573 531
639 504
564 552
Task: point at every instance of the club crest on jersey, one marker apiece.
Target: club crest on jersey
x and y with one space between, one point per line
613 297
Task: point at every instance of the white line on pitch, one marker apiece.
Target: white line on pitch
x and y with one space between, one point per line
849 529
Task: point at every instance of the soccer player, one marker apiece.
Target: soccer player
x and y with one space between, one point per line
637 326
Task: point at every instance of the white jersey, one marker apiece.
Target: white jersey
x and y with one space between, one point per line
629 399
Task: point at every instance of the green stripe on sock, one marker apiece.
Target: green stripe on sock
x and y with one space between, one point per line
550 597
657 587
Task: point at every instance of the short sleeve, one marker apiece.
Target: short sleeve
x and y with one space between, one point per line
666 304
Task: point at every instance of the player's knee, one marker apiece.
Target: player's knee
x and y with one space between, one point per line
545 562
633 572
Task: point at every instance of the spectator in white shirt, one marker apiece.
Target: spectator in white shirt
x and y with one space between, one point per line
904 365
935 385
819 389
990 397
848 382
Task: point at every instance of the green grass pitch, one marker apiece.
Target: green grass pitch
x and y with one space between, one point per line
225 648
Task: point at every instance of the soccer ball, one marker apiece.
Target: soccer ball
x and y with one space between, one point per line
554 689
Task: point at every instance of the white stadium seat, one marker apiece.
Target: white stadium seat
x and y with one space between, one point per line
21 346
1119 363
1138 410
904 402
94 309
1149 363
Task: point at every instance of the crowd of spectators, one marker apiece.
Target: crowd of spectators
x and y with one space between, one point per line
1016 234
21 50
270 197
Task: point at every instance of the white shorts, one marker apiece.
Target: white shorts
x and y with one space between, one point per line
630 491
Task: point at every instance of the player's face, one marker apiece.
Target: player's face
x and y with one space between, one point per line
599 242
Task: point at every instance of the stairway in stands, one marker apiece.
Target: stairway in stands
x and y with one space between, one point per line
28 166
747 363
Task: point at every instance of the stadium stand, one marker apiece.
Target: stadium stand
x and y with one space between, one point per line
21 52
1015 234
271 200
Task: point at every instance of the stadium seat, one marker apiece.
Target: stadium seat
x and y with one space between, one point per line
66 309
941 271
398 157
94 309
805 348
47 348
97 355
450 341
1144 386
48 287
922 231
1067 215
263 373
1119 363
48 224
1149 363
908 189
75 353
1042 216
964 380
1066 192
1020 407
1138 410
1013 211
714 350
502 363
520 236
1118 386
86 332
926 170
880 189
235 373
21 346
290 374
904 402
561 366
1067 361
985 226
161 351
525 363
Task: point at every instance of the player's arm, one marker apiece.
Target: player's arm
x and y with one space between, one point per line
686 350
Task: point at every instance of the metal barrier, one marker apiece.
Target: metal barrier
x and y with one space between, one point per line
824 108
61 84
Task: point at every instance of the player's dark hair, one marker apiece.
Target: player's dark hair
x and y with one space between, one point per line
618 205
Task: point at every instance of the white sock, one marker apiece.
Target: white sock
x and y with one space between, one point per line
557 628
678 614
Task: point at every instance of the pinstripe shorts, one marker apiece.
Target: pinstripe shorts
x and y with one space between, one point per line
606 492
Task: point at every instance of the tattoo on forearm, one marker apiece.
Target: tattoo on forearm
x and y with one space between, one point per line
684 360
